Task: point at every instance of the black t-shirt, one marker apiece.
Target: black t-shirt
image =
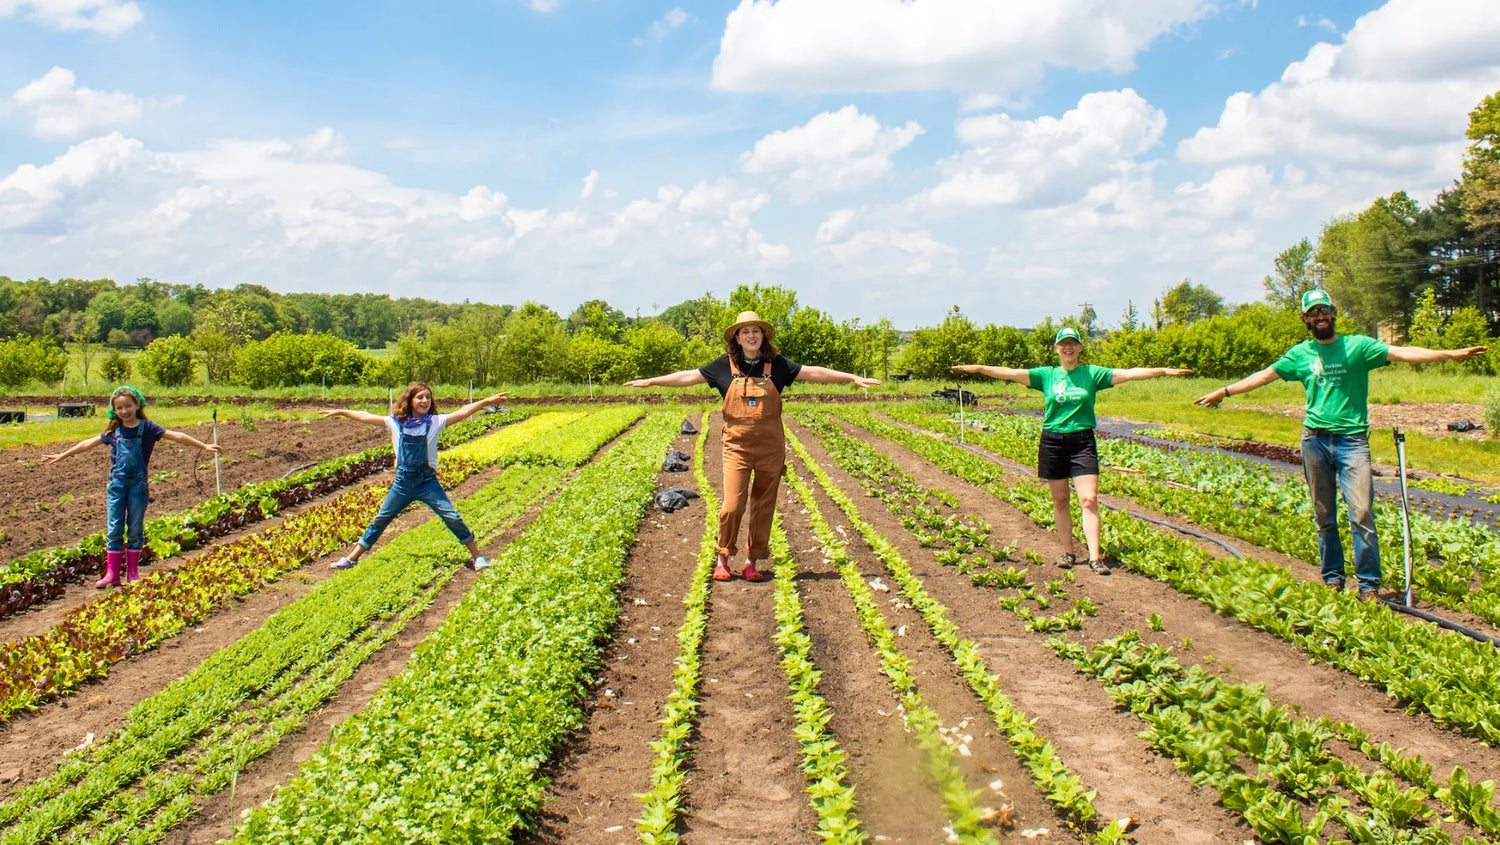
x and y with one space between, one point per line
783 372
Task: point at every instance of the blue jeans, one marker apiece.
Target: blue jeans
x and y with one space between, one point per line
422 488
1340 463
125 506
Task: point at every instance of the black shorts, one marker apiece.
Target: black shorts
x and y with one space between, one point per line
1067 455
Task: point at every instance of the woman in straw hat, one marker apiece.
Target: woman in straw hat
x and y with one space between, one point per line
1067 449
751 377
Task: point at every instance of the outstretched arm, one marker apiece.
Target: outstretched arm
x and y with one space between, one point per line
1021 377
1143 373
474 407
1244 385
357 416
1423 355
681 378
181 437
72 450
823 375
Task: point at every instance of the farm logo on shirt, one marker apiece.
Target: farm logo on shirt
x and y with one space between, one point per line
1065 392
1323 372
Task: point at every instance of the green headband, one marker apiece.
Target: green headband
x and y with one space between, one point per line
140 401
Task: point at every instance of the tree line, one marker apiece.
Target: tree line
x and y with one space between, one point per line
1427 275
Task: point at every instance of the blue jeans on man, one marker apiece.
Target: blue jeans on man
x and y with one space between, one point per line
421 486
1340 464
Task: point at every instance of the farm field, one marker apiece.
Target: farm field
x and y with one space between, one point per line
917 671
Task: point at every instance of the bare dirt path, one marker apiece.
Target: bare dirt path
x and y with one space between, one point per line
591 798
43 506
1092 737
744 784
31 744
1231 649
908 792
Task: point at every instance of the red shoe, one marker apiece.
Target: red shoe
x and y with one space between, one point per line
753 575
722 573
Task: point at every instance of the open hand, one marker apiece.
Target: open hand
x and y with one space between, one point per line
1211 400
638 382
213 447
1177 371
51 459
865 383
966 368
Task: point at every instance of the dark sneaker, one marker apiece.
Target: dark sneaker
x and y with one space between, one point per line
1334 585
1099 567
1369 595
1066 561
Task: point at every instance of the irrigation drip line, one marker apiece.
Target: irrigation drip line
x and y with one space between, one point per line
1029 471
299 469
1393 605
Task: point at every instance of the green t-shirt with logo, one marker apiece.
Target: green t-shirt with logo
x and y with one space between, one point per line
1336 377
1069 395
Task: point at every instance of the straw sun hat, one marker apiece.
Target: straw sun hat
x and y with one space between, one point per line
749 318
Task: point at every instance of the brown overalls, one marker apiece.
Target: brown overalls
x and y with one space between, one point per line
754 445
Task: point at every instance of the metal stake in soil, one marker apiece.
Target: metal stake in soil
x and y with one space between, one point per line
218 482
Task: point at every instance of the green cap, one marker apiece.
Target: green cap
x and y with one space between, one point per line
1066 333
1314 298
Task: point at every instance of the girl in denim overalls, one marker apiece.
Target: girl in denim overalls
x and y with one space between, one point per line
131 437
414 425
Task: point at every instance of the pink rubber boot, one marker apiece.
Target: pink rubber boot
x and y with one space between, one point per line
132 560
112 561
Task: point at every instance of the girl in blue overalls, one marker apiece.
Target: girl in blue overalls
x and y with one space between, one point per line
414 425
131 437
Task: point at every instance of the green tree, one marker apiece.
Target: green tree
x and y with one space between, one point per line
168 361
812 337
115 367
1293 276
652 348
1371 267
175 318
598 316
221 330
1189 303
25 360
932 352
107 312
1481 172
140 316
774 304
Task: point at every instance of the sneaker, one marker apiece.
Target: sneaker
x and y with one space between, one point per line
343 563
478 564
1334 585
1099 567
1066 561
1368 595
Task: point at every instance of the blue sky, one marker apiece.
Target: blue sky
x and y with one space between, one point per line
883 158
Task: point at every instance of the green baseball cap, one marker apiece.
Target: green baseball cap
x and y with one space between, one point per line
1066 333
1314 298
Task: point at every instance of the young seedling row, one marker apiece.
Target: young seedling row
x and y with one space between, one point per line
914 642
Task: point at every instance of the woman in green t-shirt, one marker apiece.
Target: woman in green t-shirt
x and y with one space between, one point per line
1067 449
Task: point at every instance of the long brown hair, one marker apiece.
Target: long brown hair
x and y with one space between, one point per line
114 421
737 352
401 410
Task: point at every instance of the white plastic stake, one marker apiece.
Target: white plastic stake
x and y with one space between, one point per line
218 480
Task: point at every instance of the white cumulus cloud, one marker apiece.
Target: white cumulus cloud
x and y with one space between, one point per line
59 108
1388 104
106 17
832 151
849 45
1049 159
